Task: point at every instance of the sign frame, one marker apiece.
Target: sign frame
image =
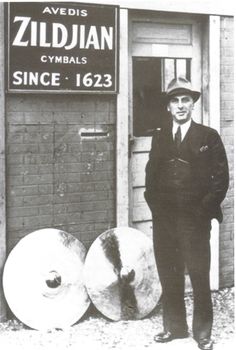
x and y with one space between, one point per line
113 91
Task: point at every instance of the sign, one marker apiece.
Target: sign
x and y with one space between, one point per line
70 47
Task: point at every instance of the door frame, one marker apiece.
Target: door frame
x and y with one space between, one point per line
210 109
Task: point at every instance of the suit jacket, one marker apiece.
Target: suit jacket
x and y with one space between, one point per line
203 148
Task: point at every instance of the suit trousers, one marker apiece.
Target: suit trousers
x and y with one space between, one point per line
181 239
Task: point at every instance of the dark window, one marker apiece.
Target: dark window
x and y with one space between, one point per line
151 76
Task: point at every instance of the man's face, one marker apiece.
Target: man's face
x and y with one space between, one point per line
180 107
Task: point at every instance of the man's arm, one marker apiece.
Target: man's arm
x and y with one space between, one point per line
219 173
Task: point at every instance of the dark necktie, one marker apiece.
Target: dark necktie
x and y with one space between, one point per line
178 137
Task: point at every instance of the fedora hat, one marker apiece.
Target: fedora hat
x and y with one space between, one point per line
181 85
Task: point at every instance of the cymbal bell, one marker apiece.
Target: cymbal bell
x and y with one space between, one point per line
43 280
121 275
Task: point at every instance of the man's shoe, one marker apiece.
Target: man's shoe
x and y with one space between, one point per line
205 344
165 337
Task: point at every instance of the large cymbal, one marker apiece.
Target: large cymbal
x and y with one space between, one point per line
43 280
120 274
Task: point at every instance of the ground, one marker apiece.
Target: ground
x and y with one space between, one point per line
96 332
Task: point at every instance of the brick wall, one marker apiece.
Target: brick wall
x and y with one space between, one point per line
56 177
227 122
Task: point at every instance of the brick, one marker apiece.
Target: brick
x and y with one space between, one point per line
88 156
81 187
15 128
227 96
16 118
66 157
97 176
226 263
22 148
70 168
227 205
104 146
67 198
229 218
84 197
23 212
226 231
64 219
15 159
31 222
226 269
67 177
46 221
67 137
45 159
47 128
227 248
228 115
104 166
23 190
15 180
45 148
15 223
31 118
32 128
80 207
225 245
38 179
31 137
38 200
100 216
229 140
14 201
61 128
22 170
45 189
45 169
84 228
105 186
229 62
225 106
45 210
60 208
15 138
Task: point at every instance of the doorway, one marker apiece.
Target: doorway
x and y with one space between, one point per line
159 50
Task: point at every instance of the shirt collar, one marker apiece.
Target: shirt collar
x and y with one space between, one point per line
184 127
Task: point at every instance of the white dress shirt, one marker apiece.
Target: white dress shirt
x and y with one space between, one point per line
184 128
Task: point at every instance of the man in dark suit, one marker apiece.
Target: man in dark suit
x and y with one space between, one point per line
186 180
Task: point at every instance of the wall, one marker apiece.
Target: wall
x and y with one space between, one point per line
2 166
227 115
55 177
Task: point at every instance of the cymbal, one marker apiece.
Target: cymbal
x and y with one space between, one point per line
43 280
121 275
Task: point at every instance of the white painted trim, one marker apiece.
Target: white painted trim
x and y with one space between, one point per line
205 72
214 71
122 173
213 7
2 167
214 113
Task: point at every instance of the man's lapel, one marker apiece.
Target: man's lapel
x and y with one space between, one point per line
192 137
167 141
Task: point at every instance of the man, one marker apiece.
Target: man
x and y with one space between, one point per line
186 180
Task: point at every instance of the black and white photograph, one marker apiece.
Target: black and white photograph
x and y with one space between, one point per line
117 175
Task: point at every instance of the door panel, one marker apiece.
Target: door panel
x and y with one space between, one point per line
168 33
